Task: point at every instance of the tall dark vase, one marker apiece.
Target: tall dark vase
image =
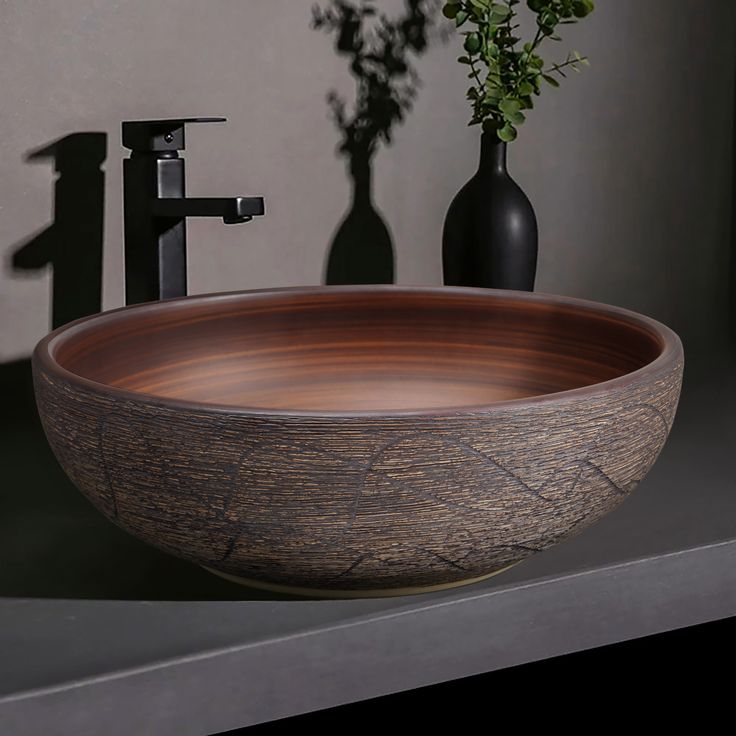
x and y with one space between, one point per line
490 233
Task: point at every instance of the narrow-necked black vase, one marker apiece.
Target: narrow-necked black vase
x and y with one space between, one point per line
490 233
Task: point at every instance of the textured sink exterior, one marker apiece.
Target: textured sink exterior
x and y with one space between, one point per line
372 500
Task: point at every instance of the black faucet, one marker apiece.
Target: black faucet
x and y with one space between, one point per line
156 208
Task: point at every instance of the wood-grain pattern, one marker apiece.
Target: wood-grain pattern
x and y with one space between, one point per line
358 438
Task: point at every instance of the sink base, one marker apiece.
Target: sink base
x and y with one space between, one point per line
328 593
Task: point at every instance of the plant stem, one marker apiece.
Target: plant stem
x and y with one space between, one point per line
537 41
476 75
509 30
570 62
538 38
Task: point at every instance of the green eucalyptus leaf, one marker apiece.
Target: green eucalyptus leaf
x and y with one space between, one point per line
509 107
451 9
550 80
499 14
581 8
525 89
473 43
460 18
507 133
503 10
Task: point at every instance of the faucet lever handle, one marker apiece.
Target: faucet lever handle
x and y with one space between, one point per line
154 136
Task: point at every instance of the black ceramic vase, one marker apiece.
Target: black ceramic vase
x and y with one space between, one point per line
490 233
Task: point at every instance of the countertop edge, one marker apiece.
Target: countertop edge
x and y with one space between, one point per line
378 654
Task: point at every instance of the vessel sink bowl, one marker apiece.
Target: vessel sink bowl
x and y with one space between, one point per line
358 440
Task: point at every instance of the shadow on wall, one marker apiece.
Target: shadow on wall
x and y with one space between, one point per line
378 48
72 243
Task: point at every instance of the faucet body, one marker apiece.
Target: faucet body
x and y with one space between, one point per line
156 209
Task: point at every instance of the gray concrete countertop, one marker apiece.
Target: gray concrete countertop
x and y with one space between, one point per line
100 634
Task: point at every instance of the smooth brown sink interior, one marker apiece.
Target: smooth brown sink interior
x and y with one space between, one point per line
357 350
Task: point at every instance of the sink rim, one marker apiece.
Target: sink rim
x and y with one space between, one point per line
671 351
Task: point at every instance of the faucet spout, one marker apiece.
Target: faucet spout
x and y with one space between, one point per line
231 209
156 209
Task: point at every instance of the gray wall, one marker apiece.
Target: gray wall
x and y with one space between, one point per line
629 165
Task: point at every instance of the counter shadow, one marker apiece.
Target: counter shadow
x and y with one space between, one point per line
732 279
55 544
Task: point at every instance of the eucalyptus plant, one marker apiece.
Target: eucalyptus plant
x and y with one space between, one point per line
507 74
